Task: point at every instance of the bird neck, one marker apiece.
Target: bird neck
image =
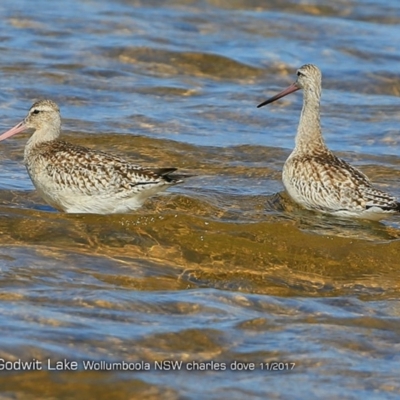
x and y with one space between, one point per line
42 135
309 135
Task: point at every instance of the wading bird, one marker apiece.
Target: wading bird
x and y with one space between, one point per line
314 177
76 179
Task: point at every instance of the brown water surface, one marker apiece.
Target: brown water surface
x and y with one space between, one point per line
223 271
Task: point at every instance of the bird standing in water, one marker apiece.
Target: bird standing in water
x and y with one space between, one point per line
76 179
314 177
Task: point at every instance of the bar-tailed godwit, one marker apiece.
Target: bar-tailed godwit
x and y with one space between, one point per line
76 179
314 177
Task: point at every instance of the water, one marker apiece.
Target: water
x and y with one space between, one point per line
224 268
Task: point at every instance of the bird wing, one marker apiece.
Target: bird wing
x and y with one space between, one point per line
329 180
91 171
362 188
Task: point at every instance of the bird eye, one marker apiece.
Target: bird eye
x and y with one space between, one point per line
299 73
35 111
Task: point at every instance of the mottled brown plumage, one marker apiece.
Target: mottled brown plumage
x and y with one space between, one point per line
76 179
314 177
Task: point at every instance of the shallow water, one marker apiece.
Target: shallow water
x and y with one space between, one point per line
224 268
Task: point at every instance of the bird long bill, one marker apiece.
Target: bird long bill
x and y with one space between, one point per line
13 131
292 88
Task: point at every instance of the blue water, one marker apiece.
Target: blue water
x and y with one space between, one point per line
218 269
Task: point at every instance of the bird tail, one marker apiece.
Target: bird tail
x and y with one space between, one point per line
170 177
